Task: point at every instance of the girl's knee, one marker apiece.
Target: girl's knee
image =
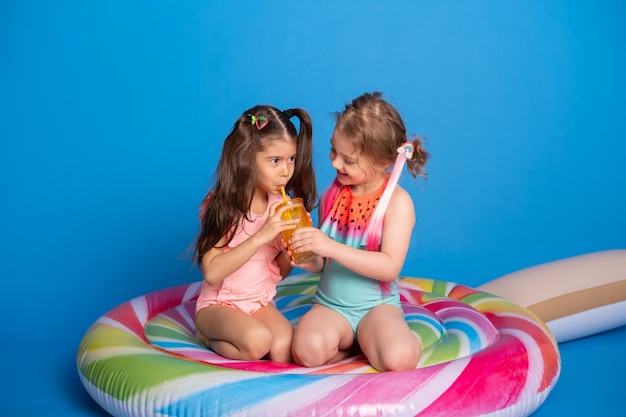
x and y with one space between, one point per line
281 348
400 358
256 344
309 350
400 363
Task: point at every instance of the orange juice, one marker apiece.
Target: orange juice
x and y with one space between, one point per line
296 210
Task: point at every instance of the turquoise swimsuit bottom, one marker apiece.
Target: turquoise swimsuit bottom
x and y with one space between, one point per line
350 294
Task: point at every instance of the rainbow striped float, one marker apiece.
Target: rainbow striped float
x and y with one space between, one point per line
482 356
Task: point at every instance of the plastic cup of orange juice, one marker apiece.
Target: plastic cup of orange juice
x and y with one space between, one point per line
296 210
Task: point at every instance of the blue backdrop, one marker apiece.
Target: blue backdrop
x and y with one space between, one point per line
112 116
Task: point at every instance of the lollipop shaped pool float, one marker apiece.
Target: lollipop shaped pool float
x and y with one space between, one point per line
482 355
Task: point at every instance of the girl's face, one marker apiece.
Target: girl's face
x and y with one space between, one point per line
352 168
275 165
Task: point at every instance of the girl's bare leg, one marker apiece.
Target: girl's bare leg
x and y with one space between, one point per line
322 336
233 333
281 330
387 341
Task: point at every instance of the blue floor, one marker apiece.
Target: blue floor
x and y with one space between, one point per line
592 369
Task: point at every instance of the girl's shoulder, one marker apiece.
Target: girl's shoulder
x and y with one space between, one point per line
399 191
400 200
328 198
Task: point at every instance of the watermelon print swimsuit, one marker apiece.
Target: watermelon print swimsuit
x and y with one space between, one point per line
350 294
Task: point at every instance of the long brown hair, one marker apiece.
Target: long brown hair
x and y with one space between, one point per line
235 179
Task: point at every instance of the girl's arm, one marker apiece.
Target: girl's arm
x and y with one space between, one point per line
217 264
284 263
384 265
397 229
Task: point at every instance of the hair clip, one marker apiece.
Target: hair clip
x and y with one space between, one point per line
260 122
407 150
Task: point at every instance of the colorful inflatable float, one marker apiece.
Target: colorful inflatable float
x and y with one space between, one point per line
483 355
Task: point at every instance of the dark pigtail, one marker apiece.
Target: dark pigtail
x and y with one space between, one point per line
303 181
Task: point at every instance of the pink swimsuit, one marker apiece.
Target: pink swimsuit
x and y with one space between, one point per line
254 284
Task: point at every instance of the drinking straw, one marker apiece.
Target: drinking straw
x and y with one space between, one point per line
282 190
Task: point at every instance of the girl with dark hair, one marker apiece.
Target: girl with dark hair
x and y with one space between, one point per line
239 248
